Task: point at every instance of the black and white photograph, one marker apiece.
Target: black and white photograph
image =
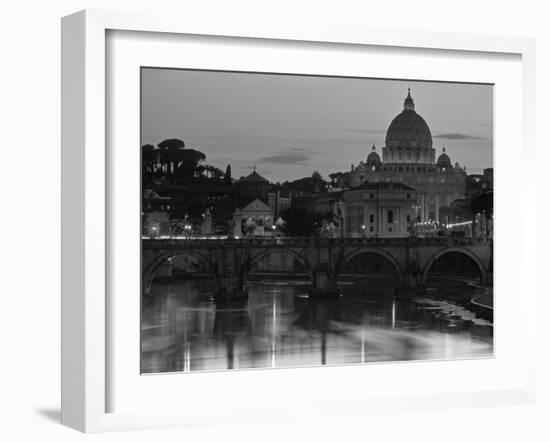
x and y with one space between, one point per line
302 221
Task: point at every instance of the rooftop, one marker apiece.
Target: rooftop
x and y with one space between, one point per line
382 186
255 177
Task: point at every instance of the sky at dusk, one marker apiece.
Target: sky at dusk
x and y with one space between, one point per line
290 126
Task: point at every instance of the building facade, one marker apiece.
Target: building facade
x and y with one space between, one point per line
279 201
379 210
255 219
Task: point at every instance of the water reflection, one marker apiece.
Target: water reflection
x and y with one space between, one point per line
279 326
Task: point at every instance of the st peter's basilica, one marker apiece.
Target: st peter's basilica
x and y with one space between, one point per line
409 158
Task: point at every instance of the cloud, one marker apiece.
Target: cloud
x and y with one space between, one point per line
290 156
458 136
365 131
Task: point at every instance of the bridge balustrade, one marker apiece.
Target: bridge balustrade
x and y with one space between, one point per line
161 242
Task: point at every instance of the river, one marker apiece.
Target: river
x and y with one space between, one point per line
279 326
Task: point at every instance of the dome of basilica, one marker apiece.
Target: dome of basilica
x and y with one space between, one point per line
373 158
444 160
408 129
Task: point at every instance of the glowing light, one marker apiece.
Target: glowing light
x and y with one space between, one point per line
393 308
187 358
274 334
460 224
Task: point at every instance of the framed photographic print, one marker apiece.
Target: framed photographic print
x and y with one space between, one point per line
252 213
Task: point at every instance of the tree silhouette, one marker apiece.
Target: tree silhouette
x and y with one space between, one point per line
179 163
334 177
190 159
201 169
172 161
147 161
213 172
227 177
171 144
171 152
319 184
302 222
483 204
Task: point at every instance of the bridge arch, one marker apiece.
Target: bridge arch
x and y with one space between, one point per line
375 251
462 250
150 268
266 252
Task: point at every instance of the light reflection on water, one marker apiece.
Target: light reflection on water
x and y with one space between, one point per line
278 326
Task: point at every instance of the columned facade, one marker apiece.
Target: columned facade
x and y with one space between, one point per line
378 210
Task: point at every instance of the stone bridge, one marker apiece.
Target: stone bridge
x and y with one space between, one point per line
230 260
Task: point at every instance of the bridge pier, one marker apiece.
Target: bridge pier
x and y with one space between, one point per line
230 277
324 282
229 293
413 274
230 287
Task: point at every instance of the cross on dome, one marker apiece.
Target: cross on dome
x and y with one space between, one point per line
409 102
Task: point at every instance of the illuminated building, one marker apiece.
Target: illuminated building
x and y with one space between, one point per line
409 158
379 210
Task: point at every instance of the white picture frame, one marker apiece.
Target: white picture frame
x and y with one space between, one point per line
85 233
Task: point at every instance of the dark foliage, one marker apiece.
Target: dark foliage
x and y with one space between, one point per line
312 184
301 222
227 178
483 204
171 144
187 162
